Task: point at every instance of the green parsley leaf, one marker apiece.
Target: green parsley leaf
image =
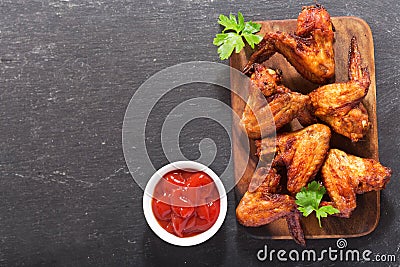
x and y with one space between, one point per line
252 27
228 23
231 41
232 35
220 39
306 210
309 198
324 211
241 23
252 39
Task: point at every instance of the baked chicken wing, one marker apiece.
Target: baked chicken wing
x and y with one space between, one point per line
284 107
302 153
309 49
287 106
345 175
354 124
339 104
280 106
257 119
266 80
265 205
277 104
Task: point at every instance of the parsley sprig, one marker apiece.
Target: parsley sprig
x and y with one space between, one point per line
232 36
308 200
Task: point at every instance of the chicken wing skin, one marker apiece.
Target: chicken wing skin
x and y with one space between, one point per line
306 116
302 153
265 205
266 80
295 229
345 175
354 124
339 104
284 106
287 106
256 118
265 180
309 50
269 180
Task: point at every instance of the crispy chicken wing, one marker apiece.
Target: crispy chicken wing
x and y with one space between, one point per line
287 106
339 104
354 124
346 175
301 152
309 50
306 116
266 80
276 100
284 106
265 205
295 228
257 118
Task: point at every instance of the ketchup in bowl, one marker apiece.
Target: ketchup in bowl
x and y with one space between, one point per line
186 203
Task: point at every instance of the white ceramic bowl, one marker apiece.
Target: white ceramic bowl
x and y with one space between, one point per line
152 221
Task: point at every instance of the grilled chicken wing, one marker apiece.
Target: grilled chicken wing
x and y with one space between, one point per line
354 124
281 103
339 104
257 119
346 175
302 152
284 104
266 80
295 229
287 106
309 50
284 108
265 205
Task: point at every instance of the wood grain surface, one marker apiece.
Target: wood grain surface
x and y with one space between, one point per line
365 218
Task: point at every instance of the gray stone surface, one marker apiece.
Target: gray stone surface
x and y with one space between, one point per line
67 71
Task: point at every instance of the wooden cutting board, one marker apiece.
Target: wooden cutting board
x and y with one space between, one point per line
365 217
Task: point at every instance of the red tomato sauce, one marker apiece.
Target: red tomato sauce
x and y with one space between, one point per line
186 203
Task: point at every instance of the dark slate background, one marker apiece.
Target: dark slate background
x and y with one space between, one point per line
67 72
